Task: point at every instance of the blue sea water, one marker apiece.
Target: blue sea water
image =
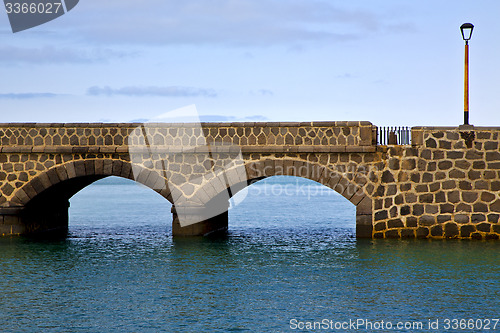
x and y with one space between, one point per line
290 260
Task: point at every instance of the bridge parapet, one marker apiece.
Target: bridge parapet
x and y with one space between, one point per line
109 138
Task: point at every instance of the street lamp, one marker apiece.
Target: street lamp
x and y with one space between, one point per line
466 29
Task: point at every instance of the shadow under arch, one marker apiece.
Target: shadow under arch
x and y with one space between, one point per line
44 200
348 183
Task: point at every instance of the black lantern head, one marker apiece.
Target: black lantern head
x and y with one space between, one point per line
466 29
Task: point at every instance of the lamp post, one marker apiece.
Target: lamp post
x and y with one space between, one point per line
466 29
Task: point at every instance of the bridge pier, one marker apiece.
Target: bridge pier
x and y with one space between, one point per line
199 221
49 219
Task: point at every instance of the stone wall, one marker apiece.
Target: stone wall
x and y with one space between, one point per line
446 185
180 161
338 133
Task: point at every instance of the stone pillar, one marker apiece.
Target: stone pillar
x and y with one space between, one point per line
50 220
364 219
200 220
11 222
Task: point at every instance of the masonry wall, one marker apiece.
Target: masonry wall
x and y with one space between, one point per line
447 185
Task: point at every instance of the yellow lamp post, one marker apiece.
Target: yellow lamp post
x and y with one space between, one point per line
466 29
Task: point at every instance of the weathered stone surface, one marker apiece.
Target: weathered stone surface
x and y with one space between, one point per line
437 231
467 230
447 177
380 226
407 233
493 218
451 230
483 227
462 218
495 206
427 220
395 223
422 232
411 222
392 234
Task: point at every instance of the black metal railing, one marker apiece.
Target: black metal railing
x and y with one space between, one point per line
394 135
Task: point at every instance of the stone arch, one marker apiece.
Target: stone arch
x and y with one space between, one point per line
44 200
348 183
88 171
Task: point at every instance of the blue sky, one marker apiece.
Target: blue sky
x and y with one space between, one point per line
389 62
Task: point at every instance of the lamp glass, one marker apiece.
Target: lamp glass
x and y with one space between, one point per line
466 29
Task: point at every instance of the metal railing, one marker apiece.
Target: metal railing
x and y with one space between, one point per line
394 135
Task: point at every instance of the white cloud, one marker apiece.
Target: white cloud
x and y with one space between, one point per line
53 55
172 91
27 95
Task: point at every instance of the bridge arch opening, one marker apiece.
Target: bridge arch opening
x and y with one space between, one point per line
43 202
293 203
348 181
115 205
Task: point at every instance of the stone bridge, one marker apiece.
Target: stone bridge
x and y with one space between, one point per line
445 185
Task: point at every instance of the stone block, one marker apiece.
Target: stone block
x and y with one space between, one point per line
477 236
405 210
364 207
483 227
492 236
467 230
437 231
427 220
380 226
407 233
462 207
443 218
408 164
395 223
495 206
454 155
79 168
387 177
476 218
469 197
431 209
422 188
449 184
427 177
480 207
465 185
53 176
446 208
426 198
451 230
411 222
431 143
392 234
381 215
493 218
487 196
418 209
422 232
491 145
456 174
462 218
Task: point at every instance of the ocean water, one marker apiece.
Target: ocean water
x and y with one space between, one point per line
291 263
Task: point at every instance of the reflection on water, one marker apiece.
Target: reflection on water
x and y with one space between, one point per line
123 272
